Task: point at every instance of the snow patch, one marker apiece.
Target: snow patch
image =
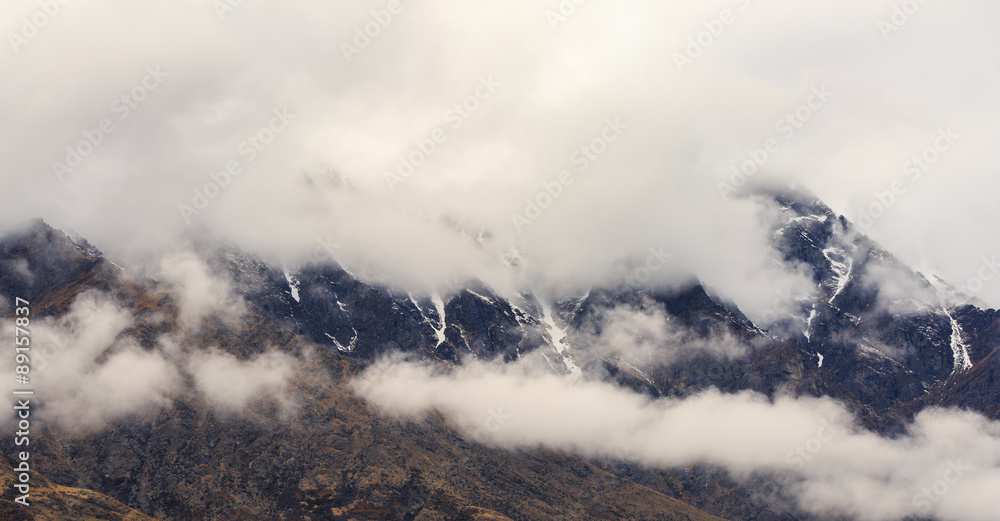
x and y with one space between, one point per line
559 342
842 269
439 305
487 299
812 315
820 363
293 283
348 348
959 349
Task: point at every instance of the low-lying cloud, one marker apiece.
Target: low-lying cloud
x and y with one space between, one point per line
647 336
219 84
943 466
87 369
231 384
200 292
86 373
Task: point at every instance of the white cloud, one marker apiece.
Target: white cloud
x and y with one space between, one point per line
88 371
231 384
647 336
85 374
653 186
833 465
200 293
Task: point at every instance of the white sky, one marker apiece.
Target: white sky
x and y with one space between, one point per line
543 92
654 186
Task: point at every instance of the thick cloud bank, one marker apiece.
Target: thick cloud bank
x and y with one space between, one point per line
946 465
580 134
421 141
88 368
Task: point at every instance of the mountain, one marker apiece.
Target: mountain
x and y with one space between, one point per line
333 458
891 341
51 502
875 334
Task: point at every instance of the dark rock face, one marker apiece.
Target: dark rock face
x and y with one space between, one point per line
483 323
334 458
45 264
338 461
329 306
336 309
356 317
880 348
886 352
979 387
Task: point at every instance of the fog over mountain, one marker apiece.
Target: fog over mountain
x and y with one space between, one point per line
830 466
552 86
673 241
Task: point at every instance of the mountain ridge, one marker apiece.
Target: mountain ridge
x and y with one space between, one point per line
885 358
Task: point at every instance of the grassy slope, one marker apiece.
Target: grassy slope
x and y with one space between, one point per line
51 502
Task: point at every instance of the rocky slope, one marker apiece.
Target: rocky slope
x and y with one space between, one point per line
874 334
52 502
329 456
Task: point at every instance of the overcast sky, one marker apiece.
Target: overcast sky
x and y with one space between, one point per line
142 125
510 91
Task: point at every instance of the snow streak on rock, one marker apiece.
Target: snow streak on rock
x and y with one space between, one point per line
841 267
439 305
293 283
958 347
558 335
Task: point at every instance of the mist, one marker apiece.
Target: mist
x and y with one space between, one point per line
579 139
813 445
421 142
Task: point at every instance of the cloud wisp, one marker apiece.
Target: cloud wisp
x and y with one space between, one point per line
943 466
506 108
